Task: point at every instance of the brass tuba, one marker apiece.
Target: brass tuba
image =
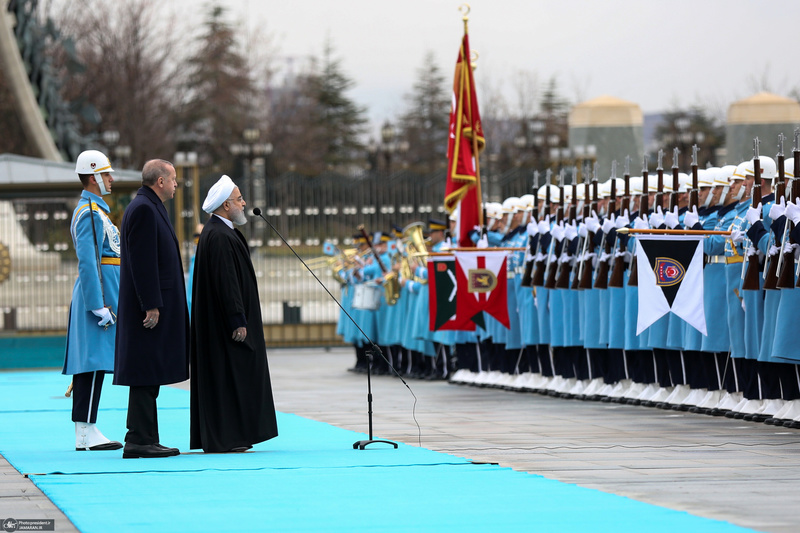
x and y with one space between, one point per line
414 241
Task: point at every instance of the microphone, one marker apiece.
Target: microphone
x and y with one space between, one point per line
362 444
257 212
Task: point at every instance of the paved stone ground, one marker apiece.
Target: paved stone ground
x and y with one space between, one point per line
745 473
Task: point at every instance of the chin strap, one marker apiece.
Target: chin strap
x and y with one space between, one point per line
101 184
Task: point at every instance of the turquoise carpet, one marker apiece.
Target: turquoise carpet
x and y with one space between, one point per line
307 479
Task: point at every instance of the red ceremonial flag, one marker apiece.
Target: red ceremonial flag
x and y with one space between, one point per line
481 278
465 142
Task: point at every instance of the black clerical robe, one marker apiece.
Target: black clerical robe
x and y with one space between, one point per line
231 394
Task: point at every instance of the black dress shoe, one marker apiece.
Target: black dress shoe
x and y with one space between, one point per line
176 451
137 451
110 445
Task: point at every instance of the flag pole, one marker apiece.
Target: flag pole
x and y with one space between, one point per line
673 231
465 9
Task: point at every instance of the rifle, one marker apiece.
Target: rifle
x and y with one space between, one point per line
601 277
750 280
644 207
618 272
556 246
391 285
583 241
676 180
565 267
771 270
541 265
533 242
658 200
586 265
787 263
693 194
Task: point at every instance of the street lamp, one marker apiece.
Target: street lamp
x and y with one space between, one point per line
183 213
252 153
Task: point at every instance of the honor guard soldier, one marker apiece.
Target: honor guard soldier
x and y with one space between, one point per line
92 321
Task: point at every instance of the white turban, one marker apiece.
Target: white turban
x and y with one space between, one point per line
218 193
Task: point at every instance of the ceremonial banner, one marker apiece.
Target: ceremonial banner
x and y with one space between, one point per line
442 297
670 269
481 279
465 142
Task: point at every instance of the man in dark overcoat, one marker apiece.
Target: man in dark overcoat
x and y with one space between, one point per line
153 320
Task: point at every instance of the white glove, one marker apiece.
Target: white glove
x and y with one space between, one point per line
793 211
604 257
657 218
671 218
533 229
691 218
583 231
751 250
558 232
641 222
737 236
571 231
623 220
541 256
753 214
104 313
564 258
483 242
608 224
625 255
544 225
774 250
789 247
592 223
778 209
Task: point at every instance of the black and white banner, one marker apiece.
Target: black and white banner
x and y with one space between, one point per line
670 279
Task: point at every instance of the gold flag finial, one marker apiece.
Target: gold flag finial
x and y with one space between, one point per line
465 9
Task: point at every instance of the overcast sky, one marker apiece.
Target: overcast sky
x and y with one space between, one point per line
654 53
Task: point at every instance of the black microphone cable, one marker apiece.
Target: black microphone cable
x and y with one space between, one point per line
257 212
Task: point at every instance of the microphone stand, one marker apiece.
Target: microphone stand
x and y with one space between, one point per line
361 444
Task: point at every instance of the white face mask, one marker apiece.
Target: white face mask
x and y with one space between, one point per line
708 199
741 193
723 195
101 184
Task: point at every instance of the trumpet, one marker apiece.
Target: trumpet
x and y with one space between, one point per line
414 243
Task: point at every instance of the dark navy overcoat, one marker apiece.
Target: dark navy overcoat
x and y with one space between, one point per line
151 275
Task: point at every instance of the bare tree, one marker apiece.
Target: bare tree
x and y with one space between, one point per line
128 49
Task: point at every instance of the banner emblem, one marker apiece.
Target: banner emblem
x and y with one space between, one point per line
668 271
481 280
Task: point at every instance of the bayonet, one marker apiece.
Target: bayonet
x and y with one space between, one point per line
675 153
756 142
660 160
781 138
694 155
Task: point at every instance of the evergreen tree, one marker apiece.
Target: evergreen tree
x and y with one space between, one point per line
219 91
341 122
424 125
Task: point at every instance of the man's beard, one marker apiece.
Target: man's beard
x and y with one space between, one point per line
238 217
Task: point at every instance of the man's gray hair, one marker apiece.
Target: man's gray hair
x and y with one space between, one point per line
154 169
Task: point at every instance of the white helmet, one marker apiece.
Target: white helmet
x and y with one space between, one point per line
510 205
636 183
95 163
705 176
684 182
769 170
529 201
788 168
742 171
542 193
724 175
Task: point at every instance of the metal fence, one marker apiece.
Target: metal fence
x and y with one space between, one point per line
38 265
